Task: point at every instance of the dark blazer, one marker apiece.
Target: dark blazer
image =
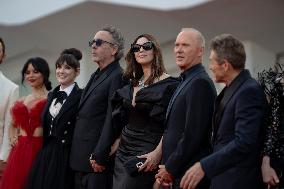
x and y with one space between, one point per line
94 114
188 123
63 123
238 120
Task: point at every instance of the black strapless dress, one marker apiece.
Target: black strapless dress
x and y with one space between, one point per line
142 128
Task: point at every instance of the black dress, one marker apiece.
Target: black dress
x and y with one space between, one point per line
273 147
51 168
142 128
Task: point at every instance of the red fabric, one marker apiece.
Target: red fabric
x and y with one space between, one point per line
23 154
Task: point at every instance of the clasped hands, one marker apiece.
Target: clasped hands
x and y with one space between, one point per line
190 179
97 167
163 177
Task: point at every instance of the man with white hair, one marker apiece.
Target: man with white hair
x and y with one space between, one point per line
188 123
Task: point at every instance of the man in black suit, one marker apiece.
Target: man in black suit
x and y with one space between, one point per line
188 123
237 122
94 112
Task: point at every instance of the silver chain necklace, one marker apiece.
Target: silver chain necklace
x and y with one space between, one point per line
141 83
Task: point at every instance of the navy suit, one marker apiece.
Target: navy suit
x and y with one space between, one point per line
237 124
188 123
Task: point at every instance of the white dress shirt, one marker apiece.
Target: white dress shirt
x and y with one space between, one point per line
54 109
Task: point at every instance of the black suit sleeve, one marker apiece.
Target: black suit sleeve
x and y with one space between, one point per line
108 134
199 109
249 111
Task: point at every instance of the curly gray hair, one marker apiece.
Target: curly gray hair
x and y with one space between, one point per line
118 39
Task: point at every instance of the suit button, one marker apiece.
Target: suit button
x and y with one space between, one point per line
68 123
62 141
65 132
77 117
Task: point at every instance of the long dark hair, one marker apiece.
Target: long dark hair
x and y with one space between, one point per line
134 70
41 66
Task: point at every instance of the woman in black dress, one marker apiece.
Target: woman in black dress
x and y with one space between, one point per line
273 151
51 168
140 110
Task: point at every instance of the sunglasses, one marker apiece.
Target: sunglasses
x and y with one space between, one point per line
146 46
99 42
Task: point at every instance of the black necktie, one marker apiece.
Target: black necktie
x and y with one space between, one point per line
60 97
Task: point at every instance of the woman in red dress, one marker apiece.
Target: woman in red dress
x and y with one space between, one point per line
26 132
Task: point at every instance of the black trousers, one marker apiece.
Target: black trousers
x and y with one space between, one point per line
93 180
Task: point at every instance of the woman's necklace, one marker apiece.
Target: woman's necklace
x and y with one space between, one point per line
141 83
39 95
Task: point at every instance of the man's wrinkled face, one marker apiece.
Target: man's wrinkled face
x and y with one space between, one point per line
187 50
104 51
217 68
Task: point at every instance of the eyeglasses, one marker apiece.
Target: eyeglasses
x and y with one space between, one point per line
99 42
146 46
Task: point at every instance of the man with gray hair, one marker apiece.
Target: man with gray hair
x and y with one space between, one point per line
94 111
188 120
237 123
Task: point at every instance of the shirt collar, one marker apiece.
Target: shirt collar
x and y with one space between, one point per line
67 90
101 71
185 74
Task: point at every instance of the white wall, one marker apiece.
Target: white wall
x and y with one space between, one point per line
258 58
87 68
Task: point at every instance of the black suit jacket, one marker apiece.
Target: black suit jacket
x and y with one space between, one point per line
94 114
63 123
238 119
188 124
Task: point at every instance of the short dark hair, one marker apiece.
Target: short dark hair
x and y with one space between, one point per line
41 66
71 56
134 70
228 47
3 45
118 40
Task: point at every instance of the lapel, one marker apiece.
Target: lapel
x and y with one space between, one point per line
225 96
88 85
196 72
70 101
96 83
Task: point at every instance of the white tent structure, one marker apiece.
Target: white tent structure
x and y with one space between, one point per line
44 28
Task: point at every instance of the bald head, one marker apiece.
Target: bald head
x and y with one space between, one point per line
197 34
189 48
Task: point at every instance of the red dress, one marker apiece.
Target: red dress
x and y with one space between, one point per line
23 153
